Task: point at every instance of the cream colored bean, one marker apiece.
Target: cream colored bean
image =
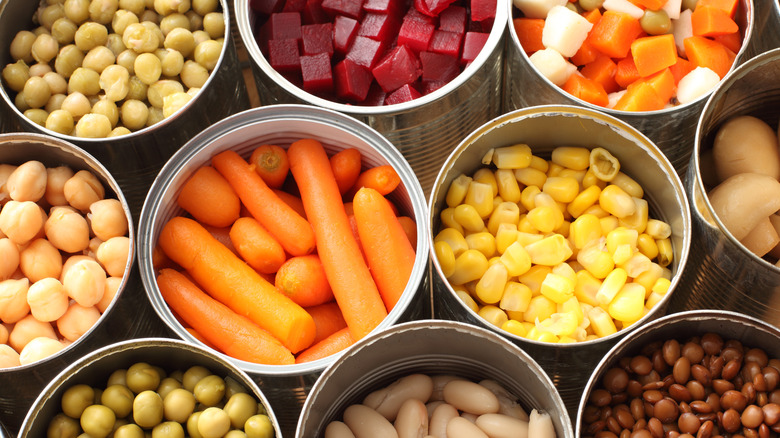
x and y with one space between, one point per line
107 108
27 329
9 258
8 357
439 381
507 402
470 397
93 126
334 429
55 181
743 200
13 300
67 229
47 299
746 144
762 238
39 348
437 426
57 84
39 260
174 102
460 427
5 171
502 426
157 91
112 288
540 425
27 182
107 218
83 189
77 104
412 419
21 221
85 282
113 255
417 386
366 422
76 321
72 260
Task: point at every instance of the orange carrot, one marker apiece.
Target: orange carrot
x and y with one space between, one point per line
209 198
704 52
681 68
270 162
410 228
200 337
640 96
327 318
649 4
303 279
613 33
730 6
626 72
346 165
383 179
663 83
709 21
585 54
389 253
228 279
602 70
347 273
732 41
334 343
653 53
256 245
231 333
293 201
529 33
159 259
222 234
288 227
588 90
356 235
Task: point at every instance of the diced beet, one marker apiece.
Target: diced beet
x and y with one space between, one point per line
438 67
313 13
453 19
350 8
316 72
283 55
446 43
394 7
429 87
294 6
483 9
284 25
404 94
397 68
265 7
414 14
352 80
376 95
317 38
344 31
365 51
415 34
380 27
432 7
472 44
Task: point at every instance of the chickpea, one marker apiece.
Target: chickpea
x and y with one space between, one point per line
207 54
9 258
140 38
171 62
134 6
112 288
16 75
47 299
55 182
37 116
85 81
150 16
77 10
102 11
181 40
90 35
27 329
115 44
21 221
57 84
133 114
77 320
165 7
36 92
8 357
174 102
72 260
155 116
173 21
49 14
214 24
119 131
77 105
203 7
200 36
196 20
108 219
126 59
27 182
64 30
38 349
39 69
123 18
44 48
13 300
93 126
69 59
148 68
67 229
113 254
158 90
82 189
55 103
107 108
20 102
21 46
98 58
39 260
85 282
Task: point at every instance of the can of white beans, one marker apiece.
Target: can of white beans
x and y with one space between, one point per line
285 385
544 128
728 274
432 348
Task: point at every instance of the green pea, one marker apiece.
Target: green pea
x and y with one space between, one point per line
589 5
656 22
688 4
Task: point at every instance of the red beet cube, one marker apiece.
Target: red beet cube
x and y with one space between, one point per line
381 27
394 7
283 55
284 25
352 80
376 95
446 43
453 19
432 7
317 38
344 31
350 8
316 72
438 67
415 34
365 51
429 87
313 13
404 94
294 6
265 7
397 68
472 44
414 14
483 9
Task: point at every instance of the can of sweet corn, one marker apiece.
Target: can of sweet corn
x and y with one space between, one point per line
542 129
729 276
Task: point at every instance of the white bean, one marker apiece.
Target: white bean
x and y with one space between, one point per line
365 422
762 238
741 201
502 426
417 386
746 144
460 427
470 397
439 381
337 429
437 426
412 419
540 425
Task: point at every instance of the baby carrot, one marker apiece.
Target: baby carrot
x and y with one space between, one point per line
228 331
228 279
346 165
348 275
331 345
293 201
195 334
388 251
256 245
288 227
383 179
410 227
303 279
209 198
271 164
327 318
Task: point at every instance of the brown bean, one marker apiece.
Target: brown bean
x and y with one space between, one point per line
641 365
731 421
615 380
716 366
752 416
696 389
679 393
771 376
659 364
637 408
720 386
642 433
671 351
652 396
732 350
693 351
706 429
733 399
688 423
701 407
757 355
655 427
600 397
712 343
701 374
624 418
682 370
771 413
613 425
665 410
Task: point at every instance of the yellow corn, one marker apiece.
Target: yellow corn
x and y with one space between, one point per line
616 201
665 253
646 245
469 266
603 164
565 270
503 213
573 157
457 191
597 211
595 258
535 334
526 238
528 196
638 219
601 323
540 308
493 315
608 223
579 175
516 259
662 286
637 264
557 288
490 287
517 316
454 239
446 257
483 242
567 340
611 286
583 200
512 157
543 199
628 304
621 236
653 299
480 196
559 324
584 229
572 305
561 188
533 278
545 218
531 177
550 251
591 179
648 278
493 260
466 298
539 163
554 169
563 229
505 236
622 254
486 176
525 225
628 185
487 159
508 188
658 229
469 218
516 297
586 287
514 327
497 200
448 219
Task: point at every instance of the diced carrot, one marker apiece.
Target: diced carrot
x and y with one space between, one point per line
613 33
733 41
585 54
705 52
602 70
653 53
649 4
681 68
593 16
730 6
711 21
663 83
626 72
588 90
529 33
640 96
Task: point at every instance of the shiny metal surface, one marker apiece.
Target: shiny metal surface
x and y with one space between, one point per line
432 347
425 129
729 276
767 18
543 128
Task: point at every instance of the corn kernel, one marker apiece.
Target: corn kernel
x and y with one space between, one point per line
457 191
603 164
525 225
487 159
516 297
454 239
503 213
662 286
648 278
468 217
508 188
667 273
517 316
486 176
545 218
505 236
628 185
595 258
611 286
658 229
601 323
637 264
566 271
541 336
480 196
628 304
572 305
539 163
514 327
638 219
616 201
467 300
646 245
561 188
531 177
590 179
653 299
469 266
526 238
567 340
483 242
543 199
490 287
445 257
497 200
586 287
528 196
572 157
540 308
583 200
584 229
608 223
512 157
621 236
550 251
516 259
622 254
563 229
448 219
665 252
533 278
493 315
559 324
493 260
579 175
557 288
554 169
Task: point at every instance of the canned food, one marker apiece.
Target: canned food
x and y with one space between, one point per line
542 129
767 17
285 385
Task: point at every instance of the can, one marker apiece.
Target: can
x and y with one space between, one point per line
429 347
729 276
95 368
767 18
671 129
424 129
134 159
285 385
750 332
543 128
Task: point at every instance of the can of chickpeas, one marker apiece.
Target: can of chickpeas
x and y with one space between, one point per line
697 351
504 280
86 63
418 360
538 75
735 271
285 385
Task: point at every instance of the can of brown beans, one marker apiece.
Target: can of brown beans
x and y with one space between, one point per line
543 129
701 372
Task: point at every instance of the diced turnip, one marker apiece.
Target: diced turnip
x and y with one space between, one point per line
537 8
483 9
351 80
350 8
614 97
399 67
283 55
473 43
552 65
378 26
438 68
344 31
565 30
284 25
695 84
445 43
682 29
317 38
406 93
316 73
415 34
623 6
672 8
365 51
453 19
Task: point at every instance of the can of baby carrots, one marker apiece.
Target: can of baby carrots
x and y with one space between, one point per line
671 127
729 275
542 129
285 385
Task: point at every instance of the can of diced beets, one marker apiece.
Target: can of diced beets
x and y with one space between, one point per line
424 129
